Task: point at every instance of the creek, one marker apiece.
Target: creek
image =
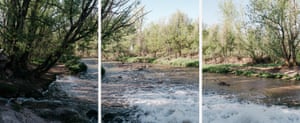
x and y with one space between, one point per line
69 99
249 100
147 93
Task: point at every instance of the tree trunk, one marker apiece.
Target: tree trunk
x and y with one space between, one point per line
179 52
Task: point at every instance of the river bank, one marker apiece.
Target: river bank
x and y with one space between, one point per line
67 99
176 62
276 71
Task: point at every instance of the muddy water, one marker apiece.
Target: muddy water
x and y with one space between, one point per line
154 94
250 100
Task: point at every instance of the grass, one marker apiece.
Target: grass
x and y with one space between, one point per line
140 59
244 72
265 65
229 68
179 62
223 68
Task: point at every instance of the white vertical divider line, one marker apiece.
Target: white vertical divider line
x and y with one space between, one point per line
200 61
99 62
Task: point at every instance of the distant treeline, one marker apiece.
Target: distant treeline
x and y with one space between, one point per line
265 29
178 36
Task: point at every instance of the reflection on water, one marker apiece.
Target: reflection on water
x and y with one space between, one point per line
250 100
156 94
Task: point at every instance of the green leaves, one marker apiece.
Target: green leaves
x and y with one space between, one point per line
44 30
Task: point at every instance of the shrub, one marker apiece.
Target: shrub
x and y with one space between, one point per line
179 62
77 67
217 69
193 64
267 75
140 59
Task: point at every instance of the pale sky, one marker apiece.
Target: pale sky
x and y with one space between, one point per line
165 8
211 14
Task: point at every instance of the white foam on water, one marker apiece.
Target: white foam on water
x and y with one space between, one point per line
166 105
219 109
62 78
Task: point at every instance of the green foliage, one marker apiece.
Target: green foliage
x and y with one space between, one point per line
35 34
73 64
297 77
37 61
179 62
140 59
279 19
193 64
217 69
69 59
267 75
278 75
266 29
229 68
244 72
177 37
117 23
183 62
265 65
76 67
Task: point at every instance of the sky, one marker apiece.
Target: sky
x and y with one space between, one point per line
211 14
165 8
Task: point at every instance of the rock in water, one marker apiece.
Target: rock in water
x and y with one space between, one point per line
11 116
223 84
92 115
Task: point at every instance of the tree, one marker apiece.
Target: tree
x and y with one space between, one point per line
153 38
228 30
211 42
280 19
42 30
117 16
178 26
193 39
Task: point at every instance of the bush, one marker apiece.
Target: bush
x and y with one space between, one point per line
140 59
244 72
267 75
77 67
180 62
193 64
73 63
217 69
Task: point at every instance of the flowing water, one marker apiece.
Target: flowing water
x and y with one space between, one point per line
132 93
69 98
249 100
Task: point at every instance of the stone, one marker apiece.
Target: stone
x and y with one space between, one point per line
223 84
25 116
